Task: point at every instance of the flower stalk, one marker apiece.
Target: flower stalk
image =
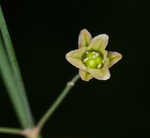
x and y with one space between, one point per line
58 101
13 131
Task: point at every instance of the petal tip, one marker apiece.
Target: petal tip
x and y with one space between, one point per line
67 56
85 76
84 30
114 57
103 36
106 77
84 38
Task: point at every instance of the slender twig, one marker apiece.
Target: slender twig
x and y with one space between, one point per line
13 131
60 98
27 120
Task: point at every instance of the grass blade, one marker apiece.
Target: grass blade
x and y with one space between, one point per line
18 88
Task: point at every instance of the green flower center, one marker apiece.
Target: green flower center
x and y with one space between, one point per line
93 59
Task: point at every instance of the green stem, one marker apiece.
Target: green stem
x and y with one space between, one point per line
27 120
13 131
60 98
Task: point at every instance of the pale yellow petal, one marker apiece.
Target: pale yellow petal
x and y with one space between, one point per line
85 75
100 74
75 58
99 42
84 38
113 57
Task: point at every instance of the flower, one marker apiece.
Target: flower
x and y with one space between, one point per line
91 57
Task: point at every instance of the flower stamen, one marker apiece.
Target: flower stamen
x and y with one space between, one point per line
93 59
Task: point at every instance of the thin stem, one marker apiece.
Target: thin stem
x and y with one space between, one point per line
27 121
13 131
60 98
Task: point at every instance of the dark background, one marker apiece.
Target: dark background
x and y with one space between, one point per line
43 32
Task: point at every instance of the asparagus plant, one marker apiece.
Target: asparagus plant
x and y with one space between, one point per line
91 58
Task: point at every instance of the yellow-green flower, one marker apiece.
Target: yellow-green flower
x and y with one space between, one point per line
91 57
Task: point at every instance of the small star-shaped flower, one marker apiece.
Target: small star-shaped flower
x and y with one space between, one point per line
91 57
